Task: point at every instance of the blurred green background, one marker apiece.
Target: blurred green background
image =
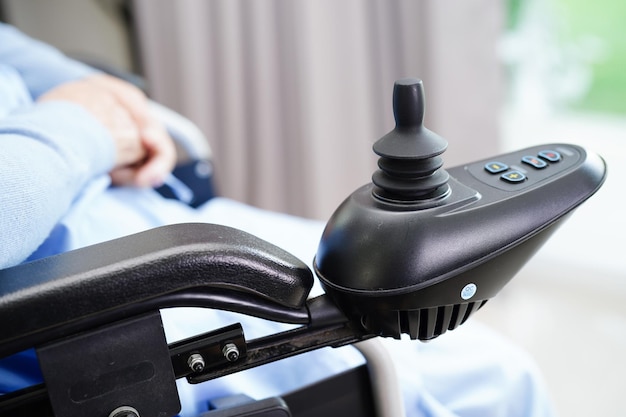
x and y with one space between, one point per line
596 30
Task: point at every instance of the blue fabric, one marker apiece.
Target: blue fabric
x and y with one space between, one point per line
55 196
19 371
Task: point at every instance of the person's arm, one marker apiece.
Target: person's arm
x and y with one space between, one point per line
44 164
41 66
124 109
48 74
50 149
82 124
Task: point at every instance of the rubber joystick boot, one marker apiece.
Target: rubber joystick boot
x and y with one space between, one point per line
410 165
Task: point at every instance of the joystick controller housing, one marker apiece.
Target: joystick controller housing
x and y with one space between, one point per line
420 249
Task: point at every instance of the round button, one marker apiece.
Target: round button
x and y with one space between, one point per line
468 291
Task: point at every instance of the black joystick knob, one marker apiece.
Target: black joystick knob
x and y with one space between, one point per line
409 155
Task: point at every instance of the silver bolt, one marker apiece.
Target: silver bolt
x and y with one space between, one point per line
124 411
196 362
230 352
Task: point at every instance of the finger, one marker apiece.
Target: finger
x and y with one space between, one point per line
125 176
161 158
127 138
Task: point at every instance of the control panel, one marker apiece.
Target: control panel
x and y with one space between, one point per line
522 169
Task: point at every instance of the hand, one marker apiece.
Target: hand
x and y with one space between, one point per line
159 160
145 153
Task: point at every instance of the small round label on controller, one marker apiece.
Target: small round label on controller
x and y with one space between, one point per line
468 291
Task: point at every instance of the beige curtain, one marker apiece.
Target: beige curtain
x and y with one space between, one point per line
292 94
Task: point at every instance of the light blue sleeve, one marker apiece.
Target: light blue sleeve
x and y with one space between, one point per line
48 152
41 66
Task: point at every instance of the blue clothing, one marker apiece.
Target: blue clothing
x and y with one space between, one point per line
44 164
55 196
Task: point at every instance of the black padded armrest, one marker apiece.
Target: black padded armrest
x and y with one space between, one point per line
163 267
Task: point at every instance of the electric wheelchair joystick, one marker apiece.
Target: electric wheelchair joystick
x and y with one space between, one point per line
410 165
420 249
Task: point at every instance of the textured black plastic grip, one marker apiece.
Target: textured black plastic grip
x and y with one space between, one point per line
152 268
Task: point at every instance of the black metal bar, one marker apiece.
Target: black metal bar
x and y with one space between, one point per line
327 326
284 345
208 351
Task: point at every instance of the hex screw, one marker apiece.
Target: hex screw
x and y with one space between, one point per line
124 411
196 362
230 352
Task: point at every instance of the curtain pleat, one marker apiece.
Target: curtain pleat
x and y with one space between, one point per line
292 94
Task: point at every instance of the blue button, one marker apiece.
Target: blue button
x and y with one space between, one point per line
534 162
496 167
548 155
513 177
